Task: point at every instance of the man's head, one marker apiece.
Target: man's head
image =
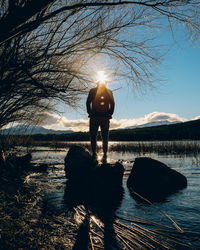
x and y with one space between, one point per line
101 78
101 84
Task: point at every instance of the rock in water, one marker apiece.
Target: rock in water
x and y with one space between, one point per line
78 163
19 162
99 186
153 179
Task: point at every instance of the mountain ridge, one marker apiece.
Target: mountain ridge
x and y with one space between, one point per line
33 130
27 130
152 124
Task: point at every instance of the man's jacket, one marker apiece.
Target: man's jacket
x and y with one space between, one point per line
100 102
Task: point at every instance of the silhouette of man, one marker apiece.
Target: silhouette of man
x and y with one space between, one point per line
100 107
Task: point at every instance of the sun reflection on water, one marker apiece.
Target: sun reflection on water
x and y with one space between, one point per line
99 157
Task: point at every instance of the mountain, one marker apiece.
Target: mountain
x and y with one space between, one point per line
33 130
152 124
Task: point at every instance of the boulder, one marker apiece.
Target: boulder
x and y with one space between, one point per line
97 185
153 179
19 161
80 166
78 163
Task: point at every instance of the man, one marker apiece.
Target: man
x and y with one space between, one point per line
100 107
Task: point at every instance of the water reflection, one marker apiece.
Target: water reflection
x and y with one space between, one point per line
97 203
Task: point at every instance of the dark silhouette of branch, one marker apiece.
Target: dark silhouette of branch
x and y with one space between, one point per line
49 49
23 13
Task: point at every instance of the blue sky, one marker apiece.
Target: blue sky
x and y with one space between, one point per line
178 93
175 98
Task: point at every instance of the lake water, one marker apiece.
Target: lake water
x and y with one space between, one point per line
183 207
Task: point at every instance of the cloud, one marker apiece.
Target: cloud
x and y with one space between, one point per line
48 119
149 118
161 116
196 118
61 122
75 125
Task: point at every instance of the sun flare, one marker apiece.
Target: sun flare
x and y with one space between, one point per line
99 157
101 77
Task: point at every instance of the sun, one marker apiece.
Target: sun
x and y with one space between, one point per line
101 77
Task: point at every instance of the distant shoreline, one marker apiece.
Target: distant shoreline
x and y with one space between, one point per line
180 131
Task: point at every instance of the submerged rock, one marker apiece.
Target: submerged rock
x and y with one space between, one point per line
153 179
19 161
20 164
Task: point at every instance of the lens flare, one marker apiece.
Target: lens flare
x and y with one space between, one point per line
101 77
99 157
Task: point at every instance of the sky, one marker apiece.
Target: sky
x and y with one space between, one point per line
175 98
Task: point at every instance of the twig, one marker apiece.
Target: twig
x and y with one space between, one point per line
163 212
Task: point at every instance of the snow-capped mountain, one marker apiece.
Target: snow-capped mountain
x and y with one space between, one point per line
152 124
27 130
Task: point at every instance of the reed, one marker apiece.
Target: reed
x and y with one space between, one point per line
168 147
165 147
131 235
140 147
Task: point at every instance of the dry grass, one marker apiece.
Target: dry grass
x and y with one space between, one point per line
160 147
137 234
168 148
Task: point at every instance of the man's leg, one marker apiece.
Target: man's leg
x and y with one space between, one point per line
105 134
93 135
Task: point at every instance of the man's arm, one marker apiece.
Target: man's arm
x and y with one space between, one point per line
112 103
88 102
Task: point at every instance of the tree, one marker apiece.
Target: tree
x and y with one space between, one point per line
48 49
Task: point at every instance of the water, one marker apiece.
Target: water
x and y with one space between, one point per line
183 207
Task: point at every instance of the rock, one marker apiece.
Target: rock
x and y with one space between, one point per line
19 161
98 186
154 180
78 163
19 164
111 174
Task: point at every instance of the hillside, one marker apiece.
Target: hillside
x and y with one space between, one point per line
178 131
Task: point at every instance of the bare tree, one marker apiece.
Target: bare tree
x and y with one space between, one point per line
48 48
29 14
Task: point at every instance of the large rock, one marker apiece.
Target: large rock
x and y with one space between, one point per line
80 166
97 185
78 163
153 179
